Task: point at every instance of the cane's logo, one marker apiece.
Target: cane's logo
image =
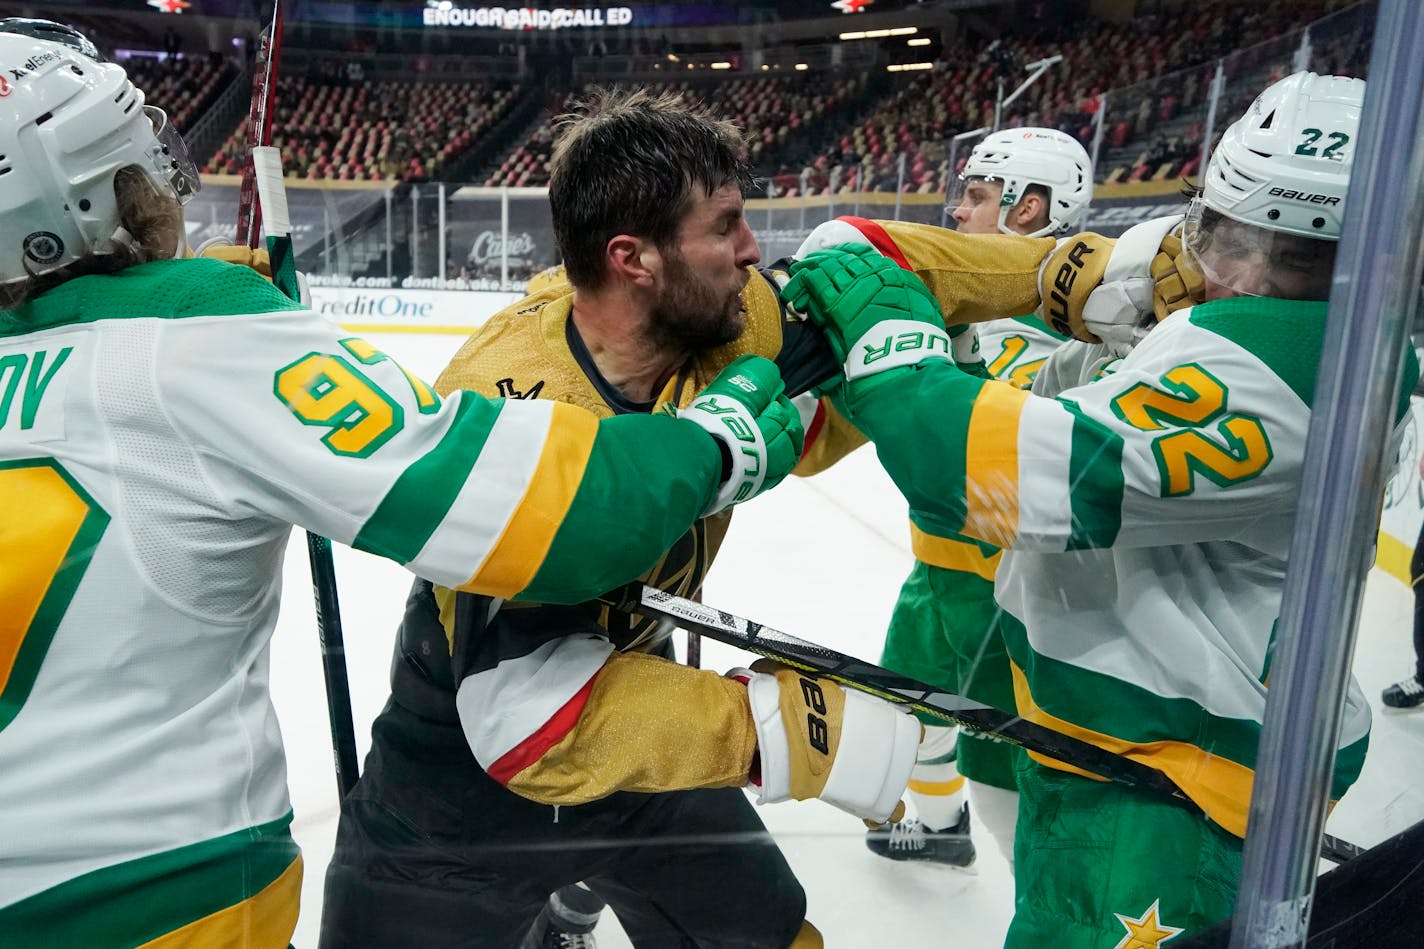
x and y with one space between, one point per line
5 87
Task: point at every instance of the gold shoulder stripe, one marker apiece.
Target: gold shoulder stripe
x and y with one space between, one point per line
521 549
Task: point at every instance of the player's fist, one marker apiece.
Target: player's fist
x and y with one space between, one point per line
745 408
815 739
1177 282
1066 279
876 315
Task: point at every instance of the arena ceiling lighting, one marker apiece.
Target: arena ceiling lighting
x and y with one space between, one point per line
921 41
908 67
877 34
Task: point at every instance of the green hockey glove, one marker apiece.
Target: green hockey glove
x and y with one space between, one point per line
745 408
876 316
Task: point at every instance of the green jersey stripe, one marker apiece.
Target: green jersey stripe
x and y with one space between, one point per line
417 503
131 903
1095 485
929 469
590 543
1140 717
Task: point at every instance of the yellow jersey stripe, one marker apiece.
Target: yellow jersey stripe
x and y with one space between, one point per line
268 918
991 467
1219 786
959 555
529 533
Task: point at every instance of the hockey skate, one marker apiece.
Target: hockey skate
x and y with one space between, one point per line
1408 693
912 840
546 933
566 921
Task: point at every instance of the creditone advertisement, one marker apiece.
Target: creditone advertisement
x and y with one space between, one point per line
401 310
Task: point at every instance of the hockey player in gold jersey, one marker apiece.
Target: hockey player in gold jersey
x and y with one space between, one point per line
562 744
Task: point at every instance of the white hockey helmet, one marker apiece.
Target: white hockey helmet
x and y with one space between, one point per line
54 32
67 125
1036 156
1273 197
1285 164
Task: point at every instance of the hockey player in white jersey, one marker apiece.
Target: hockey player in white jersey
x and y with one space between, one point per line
163 424
1145 515
1037 182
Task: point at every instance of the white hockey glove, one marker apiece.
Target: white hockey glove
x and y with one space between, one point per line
815 739
745 408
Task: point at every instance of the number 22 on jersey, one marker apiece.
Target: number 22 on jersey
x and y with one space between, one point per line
1191 396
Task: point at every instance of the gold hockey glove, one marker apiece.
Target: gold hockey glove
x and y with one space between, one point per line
1176 281
1068 275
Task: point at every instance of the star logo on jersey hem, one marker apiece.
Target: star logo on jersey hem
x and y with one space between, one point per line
1145 932
169 6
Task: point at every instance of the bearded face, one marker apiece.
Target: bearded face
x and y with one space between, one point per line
696 311
699 303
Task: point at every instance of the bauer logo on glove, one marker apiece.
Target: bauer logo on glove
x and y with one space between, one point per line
1064 278
746 410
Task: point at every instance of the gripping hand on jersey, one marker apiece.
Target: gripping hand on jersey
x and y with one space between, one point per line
876 316
746 410
815 739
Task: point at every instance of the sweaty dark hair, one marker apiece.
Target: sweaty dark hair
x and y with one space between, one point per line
626 162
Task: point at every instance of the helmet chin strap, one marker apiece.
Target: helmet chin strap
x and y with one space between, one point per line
122 238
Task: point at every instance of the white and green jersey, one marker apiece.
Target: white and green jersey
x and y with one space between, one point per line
161 430
1146 517
1015 349
1073 365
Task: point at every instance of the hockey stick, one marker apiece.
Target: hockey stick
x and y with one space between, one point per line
263 176
922 697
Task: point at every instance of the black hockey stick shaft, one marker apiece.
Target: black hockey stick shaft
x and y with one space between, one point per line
283 267
333 662
903 690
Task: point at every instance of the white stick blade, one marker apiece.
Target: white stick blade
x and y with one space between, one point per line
271 191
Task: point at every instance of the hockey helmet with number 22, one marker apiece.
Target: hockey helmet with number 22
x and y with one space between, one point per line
1273 197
